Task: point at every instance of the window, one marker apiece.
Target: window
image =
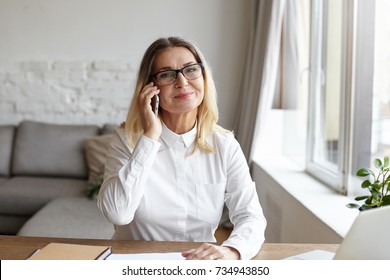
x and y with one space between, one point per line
380 139
327 90
333 94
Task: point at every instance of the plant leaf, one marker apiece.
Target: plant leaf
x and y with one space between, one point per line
386 162
364 172
358 198
386 200
376 187
94 187
368 200
366 184
353 205
378 163
376 195
366 207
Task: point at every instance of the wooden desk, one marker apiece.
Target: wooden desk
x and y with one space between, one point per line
19 248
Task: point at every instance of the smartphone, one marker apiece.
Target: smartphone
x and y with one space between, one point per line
155 103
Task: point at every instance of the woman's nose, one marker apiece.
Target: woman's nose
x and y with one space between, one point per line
181 81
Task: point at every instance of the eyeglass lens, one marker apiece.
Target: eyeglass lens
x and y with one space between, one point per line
190 72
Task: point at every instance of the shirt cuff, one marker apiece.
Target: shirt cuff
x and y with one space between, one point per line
245 248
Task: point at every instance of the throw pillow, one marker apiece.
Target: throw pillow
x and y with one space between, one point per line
95 154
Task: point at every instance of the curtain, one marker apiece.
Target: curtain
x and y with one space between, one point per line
260 74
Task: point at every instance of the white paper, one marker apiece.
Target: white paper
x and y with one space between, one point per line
147 256
313 255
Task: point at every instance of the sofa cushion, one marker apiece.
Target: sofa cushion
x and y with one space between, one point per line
108 128
3 179
51 149
26 195
70 217
6 142
95 153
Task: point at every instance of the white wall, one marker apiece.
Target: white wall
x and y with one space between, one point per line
288 220
74 61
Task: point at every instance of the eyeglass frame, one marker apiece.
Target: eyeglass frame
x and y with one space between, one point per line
177 71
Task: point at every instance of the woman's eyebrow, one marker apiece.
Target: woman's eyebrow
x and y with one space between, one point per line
170 68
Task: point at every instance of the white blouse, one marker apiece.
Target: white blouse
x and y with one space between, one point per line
160 191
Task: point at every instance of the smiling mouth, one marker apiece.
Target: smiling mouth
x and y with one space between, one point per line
184 95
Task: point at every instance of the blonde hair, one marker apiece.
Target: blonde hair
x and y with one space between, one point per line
207 117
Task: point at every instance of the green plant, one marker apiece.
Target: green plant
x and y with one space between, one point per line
94 187
378 184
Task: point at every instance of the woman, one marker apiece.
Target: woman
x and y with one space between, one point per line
168 173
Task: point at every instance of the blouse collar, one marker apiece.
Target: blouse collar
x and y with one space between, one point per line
170 137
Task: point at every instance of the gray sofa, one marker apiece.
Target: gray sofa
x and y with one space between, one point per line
45 170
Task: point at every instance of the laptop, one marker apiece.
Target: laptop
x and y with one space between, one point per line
367 239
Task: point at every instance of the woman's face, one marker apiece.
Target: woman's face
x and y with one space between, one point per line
183 96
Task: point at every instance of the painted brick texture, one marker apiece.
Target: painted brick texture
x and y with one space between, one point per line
84 92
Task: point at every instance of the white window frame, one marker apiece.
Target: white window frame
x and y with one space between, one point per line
357 88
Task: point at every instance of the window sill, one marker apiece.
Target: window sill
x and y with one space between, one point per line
324 203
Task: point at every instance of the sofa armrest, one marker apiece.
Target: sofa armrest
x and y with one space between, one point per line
7 133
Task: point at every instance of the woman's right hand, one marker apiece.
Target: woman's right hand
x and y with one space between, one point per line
150 121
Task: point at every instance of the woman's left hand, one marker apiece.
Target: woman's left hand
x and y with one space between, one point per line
209 251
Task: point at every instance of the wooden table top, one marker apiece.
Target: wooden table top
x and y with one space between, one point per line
20 247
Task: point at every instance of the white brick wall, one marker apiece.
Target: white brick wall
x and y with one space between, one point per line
95 92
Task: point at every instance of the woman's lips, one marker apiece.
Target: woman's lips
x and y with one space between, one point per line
184 95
